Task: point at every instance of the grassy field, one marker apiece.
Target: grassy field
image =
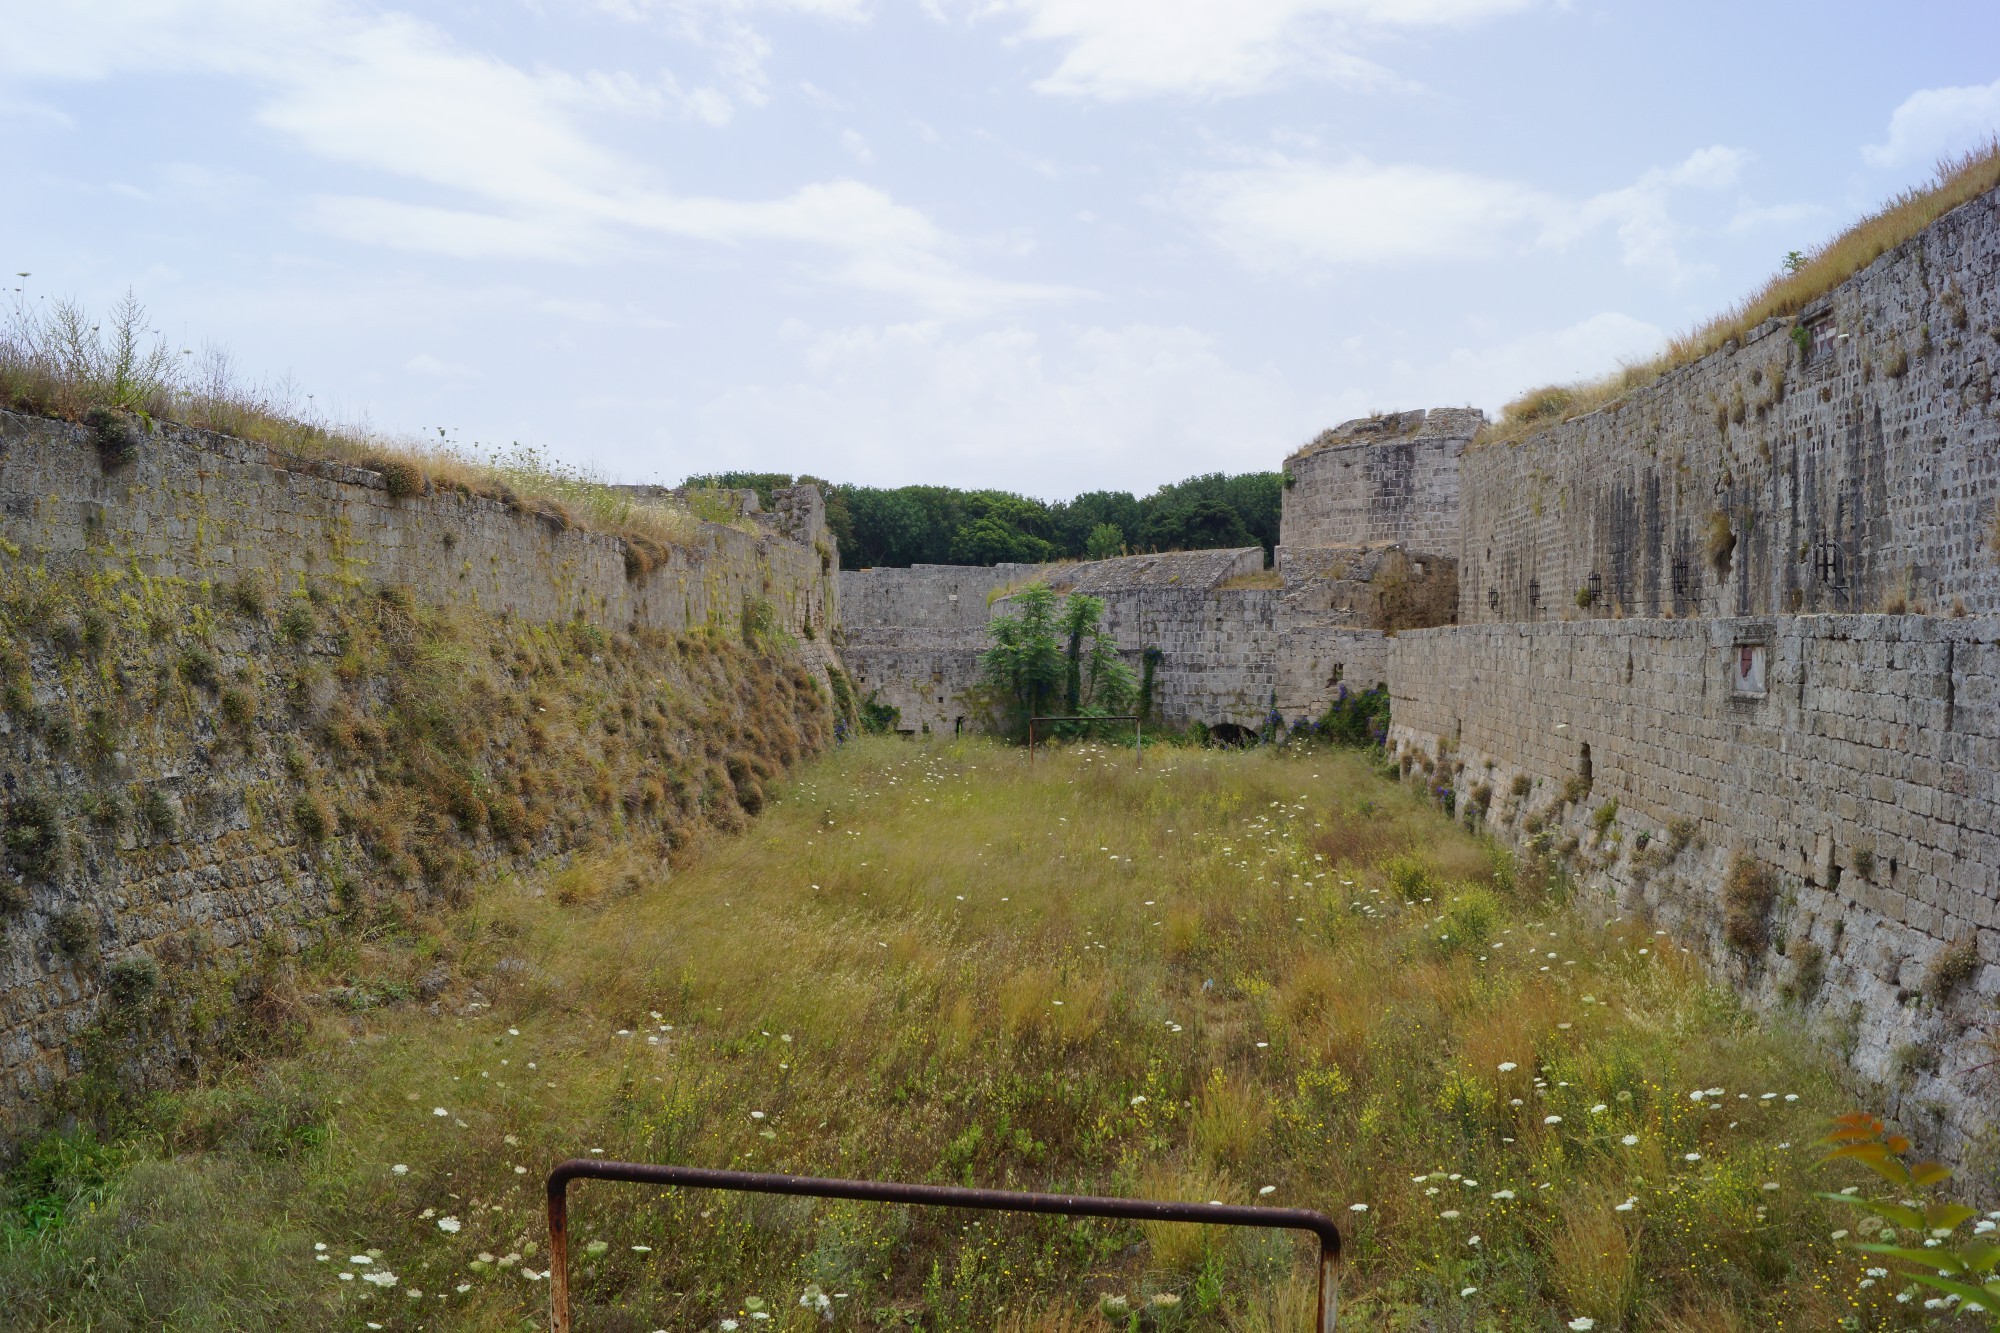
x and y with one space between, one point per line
1241 976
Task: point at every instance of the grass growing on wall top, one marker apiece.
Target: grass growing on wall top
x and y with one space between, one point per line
1242 976
60 360
1958 181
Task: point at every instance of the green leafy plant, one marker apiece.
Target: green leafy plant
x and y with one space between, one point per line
1962 1266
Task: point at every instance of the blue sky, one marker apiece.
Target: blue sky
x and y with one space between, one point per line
1051 245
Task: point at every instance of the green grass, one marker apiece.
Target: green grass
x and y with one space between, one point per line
1240 976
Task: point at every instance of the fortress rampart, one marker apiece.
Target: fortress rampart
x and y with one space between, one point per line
246 698
1847 460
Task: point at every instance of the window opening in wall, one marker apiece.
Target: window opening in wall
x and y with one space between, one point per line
1746 669
1681 579
1826 564
1583 763
1493 599
1595 583
1534 592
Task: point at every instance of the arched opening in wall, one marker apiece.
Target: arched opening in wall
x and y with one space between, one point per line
1583 763
1229 733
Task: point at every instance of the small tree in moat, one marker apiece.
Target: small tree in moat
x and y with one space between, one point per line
1048 655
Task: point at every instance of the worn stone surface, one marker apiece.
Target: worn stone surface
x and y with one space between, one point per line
1864 776
1380 480
223 871
1843 467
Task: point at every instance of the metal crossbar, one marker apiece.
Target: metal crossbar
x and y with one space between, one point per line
1138 731
930 1196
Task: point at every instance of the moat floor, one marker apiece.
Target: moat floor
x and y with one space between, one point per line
1254 977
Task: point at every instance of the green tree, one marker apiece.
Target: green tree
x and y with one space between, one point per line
1105 540
1081 615
1024 667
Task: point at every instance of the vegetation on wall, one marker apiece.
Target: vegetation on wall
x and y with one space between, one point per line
383 752
116 374
1803 279
942 525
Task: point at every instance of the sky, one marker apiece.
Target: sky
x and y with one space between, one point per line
1045 245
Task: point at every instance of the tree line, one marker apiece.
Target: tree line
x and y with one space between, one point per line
943 525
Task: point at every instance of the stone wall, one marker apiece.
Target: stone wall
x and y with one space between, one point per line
1862 775
1379 480
1234 642
194 505
1844 461
164 724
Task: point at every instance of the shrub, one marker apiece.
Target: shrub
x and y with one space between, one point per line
1357 719
400 477
1521 785
239 709
296 623
878 718
94 630
1749 892
197 666
312 817
1951 967
1469 919
130 982
245 596
157 813
115 435
74 933
34 837
1547 403
1603 817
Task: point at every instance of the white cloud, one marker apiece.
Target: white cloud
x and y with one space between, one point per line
391 94
1491 375
1274 216
1935 123
1127 407
1117 50
1285 213
857 147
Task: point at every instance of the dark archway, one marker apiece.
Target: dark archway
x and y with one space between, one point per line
1229 733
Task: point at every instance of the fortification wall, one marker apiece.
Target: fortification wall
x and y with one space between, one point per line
1862 776
1380 480
1229 654
1840 467
196 506
245 698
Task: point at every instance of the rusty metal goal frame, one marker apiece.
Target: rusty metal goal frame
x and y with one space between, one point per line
1138 731
927 1196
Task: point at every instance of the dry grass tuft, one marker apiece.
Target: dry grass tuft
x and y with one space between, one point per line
1749 892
